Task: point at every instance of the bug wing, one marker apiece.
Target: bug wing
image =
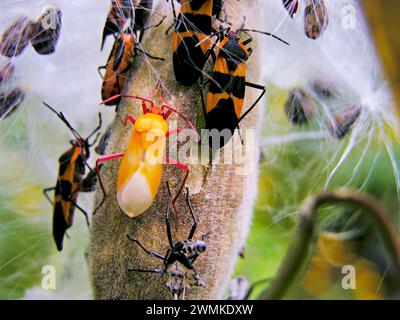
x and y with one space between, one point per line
109 28
119 53
60 226
66 190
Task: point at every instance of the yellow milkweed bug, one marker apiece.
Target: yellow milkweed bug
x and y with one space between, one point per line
140 170
193 26
227 86
16 38
291 6
46 31
180 256
315 18
71 181
10 101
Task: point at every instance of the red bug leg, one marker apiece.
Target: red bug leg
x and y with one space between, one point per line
171 109
121 95
130 118
185 168
99 161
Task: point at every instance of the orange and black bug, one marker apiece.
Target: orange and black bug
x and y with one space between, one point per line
46 31
10 101
291 6
193 26
71 181
16 37
119 64
226 92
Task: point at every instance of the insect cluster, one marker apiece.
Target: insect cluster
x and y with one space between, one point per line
43 34
139 176
195 26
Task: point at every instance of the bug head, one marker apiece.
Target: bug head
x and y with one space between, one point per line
200 247
128 39
232 35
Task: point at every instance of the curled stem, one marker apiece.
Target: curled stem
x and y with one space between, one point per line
303 242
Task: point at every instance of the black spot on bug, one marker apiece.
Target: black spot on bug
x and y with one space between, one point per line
65 189
233 53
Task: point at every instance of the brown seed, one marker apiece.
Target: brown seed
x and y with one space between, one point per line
291 6
46 31
16 38
298 107
340 125
7 72
10 101
315 18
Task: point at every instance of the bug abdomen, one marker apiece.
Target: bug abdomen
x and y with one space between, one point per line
222 122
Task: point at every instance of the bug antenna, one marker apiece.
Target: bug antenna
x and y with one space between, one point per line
263 32
125 96
96 129
213 35
183 117
63 119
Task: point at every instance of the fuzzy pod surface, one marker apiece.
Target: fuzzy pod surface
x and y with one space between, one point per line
222 194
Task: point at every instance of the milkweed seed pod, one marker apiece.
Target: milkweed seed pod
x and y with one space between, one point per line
298 107
46 31
10 101
342 123
16 38
315 18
